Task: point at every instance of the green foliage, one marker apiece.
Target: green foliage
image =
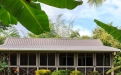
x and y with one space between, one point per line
11 32
3 65
58 29
115 32
43 72
61 72
6 18
51 34
93 73
118 73
107 39
113 69
29 13
85 37
34 20
69 4
104 34
76 73
2 39
117 59
75 34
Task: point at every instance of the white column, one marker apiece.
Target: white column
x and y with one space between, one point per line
94 61
75 60
112 62
18 60
57 60
37 60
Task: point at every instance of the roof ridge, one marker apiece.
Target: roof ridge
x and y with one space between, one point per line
56 38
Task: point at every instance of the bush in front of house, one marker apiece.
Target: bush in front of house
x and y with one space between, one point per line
93 73
61 72
76 72
43 72
119 73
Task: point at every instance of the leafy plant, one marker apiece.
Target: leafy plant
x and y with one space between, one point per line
61 72
3 66
76 73
93 73
115 32
29 13
43 72
118 73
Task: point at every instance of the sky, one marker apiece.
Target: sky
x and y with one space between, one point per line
84 15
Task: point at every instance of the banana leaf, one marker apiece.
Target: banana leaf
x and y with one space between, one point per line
6 18
35 20
115 32
69 4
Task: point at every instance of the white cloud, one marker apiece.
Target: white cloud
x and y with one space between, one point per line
82 31
85 32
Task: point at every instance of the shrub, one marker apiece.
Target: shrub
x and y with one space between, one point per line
93 73
43 72
118 73
76 73
60 72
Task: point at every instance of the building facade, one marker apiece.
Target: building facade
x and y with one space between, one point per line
29 55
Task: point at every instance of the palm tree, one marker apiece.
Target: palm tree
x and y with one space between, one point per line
96 3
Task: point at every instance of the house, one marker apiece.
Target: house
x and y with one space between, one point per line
30 54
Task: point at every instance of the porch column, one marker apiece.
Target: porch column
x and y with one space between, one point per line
37 60
57 60
75 60
18 60
94 61
112 62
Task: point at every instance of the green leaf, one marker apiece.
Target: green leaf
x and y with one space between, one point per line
113 69
6 18
69 4
116 33
35 5
33 19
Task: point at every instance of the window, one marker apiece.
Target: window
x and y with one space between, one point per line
99 59
66 59
106 59
13 59
89 59
70 59
62 59
32 58
103 59
47 59
85 59
81 59
24 59
51 59
43 59
28 59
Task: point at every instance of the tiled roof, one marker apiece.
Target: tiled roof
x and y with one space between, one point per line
55 44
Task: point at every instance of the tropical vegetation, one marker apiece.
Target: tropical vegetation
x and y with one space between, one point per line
30 15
